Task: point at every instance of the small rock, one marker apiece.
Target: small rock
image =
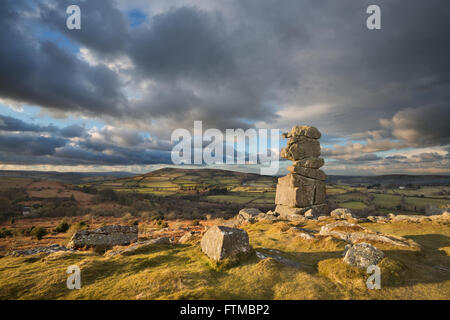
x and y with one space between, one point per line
410 218
248 215
362 255
303 233
309 214
188 236
221 242
341 213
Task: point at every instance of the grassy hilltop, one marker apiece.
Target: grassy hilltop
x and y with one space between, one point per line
182 271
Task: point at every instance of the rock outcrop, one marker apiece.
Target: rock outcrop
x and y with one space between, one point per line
221 242
303 189
105 237
362 255
251 215
354 233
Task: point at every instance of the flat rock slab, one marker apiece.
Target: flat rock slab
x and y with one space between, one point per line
313 163
274 255
49 249
221 242
308 172
354 233
105 237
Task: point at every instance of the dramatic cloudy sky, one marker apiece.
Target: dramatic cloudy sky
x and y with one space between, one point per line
108 97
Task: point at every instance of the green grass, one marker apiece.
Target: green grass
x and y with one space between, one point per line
387 201
233 198
184 272
353 205
423 202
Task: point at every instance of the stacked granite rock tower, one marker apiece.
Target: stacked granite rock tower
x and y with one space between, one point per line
302 192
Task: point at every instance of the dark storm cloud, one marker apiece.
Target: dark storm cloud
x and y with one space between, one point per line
73 131
39 72
429 157
183 42
13 124
235 65
104 27
427 125
260 54
27 143
23 144
366 157
119 156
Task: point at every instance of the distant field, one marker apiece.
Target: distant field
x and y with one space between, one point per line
184 181
13 182
224 187
248 189
353 205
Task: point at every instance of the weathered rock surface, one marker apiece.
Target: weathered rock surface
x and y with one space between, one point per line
378 219
49 249
276 255
308 172
341 213
104 237
354 233
221 242
307 131
304 187
301 147
362 255
138 246
303 233
392 218
297 191
268 216
312 163
248 215
299 214
188 237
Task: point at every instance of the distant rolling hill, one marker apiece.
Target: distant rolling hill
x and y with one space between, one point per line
65 177
206 175
168 181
